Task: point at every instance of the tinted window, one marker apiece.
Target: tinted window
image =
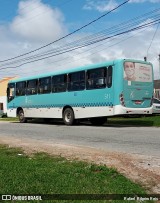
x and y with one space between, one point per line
109 76
44 85
76 81
96 78
20 88
31 87
59 83
156 101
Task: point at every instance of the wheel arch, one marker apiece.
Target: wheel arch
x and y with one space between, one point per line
18 109
66 107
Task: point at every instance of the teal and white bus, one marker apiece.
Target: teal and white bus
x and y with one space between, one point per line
94 92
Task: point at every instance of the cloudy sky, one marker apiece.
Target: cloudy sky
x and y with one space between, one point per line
27 25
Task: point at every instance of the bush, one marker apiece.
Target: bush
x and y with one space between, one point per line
4 115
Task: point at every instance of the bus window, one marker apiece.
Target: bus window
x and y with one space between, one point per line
96 78
11 92
31 87
20 88
44 85
76 81
59 83
109 76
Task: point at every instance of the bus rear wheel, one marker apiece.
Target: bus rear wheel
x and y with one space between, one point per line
21 117
68 116
98 121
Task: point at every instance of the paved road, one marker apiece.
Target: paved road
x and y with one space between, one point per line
138 140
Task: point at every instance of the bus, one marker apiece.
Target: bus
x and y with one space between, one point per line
93 92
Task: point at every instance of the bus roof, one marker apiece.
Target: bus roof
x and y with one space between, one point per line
106 63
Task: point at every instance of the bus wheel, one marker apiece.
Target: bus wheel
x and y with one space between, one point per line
98 120
68 116
21 117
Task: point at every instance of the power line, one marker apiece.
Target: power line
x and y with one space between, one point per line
152 39
81 58
93 42
93 21
92 38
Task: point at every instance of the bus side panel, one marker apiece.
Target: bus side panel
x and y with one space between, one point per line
117 82
87 103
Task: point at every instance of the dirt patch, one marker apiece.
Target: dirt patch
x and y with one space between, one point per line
144 170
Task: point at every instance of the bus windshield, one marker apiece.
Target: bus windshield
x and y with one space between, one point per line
138 72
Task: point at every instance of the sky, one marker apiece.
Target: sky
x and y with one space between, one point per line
27 25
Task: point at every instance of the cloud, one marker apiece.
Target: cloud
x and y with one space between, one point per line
100 6
15 42
133 45
107 5
38 22
142 1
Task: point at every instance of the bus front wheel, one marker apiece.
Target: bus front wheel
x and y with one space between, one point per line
98 121
21 117
68 116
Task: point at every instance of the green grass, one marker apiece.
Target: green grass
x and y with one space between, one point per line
9 119
142 121
44 174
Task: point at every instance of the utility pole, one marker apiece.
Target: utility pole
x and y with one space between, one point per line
159 64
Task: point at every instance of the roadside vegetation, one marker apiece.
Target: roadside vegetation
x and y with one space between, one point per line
132 121
8 119
139 121
44 174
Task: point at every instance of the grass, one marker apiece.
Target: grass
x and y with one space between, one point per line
44 174
142 121
8 119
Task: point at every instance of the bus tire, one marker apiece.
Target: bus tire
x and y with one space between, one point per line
21 117
68 116
98 121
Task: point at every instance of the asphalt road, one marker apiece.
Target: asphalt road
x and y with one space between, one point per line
137 140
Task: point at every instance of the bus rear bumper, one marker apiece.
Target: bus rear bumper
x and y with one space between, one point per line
120 110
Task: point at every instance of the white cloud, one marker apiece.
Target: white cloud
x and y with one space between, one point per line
132 45
107 5
16 43
100 6
38 22
142 1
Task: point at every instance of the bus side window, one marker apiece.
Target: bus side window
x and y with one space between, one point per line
109 76
44 85
76 81
20 88
32 87
96 78
59 83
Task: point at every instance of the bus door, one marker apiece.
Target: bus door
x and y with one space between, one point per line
10 92
138 85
